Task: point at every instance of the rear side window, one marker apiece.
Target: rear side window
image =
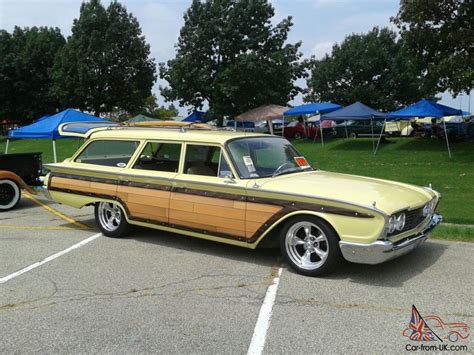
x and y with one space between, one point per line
159 157
108 153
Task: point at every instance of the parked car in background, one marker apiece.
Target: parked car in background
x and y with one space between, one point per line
298 130
245 189
355 129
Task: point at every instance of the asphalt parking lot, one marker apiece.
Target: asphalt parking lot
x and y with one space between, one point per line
162 292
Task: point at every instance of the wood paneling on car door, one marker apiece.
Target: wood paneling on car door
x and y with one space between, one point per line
210 214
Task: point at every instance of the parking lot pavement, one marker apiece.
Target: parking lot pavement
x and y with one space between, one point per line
161 292
364 309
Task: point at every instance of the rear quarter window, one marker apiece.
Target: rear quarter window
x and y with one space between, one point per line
108 153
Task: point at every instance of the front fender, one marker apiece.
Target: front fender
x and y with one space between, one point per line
351 229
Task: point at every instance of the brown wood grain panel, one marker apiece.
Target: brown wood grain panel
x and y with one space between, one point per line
203 227
213 201
148 200
235 232
144 191
255 216
103 187
232 213
252 226
150 211
240 205
181 205
68 183
152 218
206 219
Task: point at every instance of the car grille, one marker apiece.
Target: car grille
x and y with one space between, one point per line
413 218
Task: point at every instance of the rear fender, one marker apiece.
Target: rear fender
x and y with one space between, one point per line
8 175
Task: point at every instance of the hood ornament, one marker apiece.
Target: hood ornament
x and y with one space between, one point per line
374 204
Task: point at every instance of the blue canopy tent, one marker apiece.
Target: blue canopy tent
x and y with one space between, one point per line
358 111
426 108
197 116
47 127
311 109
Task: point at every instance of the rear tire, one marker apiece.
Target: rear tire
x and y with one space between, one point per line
353 135
298 135
111 220
10 194
310 245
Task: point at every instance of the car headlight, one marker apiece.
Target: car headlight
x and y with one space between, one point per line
400 224
429 208
392 223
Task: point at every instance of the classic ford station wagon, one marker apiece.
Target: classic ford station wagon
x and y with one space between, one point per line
249 190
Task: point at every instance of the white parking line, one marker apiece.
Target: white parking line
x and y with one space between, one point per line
263 321
49 258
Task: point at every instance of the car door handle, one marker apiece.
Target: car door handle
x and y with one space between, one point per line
121 165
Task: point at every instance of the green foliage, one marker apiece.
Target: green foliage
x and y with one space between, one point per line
105 64
373 68
440 35
152 109
230 56
27 56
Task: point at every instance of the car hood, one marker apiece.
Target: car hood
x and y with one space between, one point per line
389 196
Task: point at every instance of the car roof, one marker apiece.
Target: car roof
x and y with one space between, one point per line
191 135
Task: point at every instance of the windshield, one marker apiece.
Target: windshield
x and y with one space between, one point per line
265 157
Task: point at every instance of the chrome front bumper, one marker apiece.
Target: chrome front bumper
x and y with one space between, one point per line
384 250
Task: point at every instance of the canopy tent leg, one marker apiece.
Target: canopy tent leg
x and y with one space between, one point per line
345 127
283 127
372 128
6 147
380 137
447 140
235 124
54 151
322 132
270 127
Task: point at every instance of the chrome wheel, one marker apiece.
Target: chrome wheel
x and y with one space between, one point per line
110 215
307 245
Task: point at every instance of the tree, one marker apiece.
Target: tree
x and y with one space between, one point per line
27 56
105 64
152 109
231 56
439 34
373 68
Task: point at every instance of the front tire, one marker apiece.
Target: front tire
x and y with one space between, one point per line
111 220
310 245
10 194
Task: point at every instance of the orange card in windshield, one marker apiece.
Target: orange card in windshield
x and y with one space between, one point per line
302 162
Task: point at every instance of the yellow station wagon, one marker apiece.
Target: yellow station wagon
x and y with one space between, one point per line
244 189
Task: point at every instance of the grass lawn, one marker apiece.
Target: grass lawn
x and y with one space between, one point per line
417 161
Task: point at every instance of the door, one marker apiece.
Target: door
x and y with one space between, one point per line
206 196
145 187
